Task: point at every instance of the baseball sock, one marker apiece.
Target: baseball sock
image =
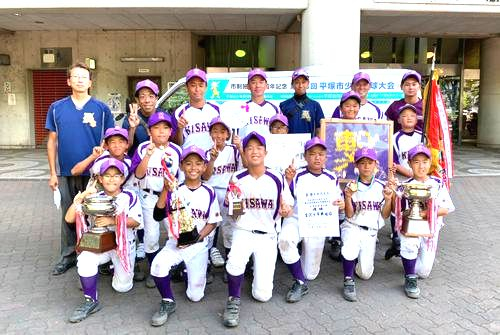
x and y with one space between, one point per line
150 256
296 271
234 285
140 235
409 265
163 285
348 267
89 286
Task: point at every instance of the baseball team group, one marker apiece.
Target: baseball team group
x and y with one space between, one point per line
189 168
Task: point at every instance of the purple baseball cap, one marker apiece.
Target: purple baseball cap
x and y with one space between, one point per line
407 106
412 74
112 162
196 73
218 120
278 117
314 141
298 73
193 149
350 95
148 84
159 117
360 76
418 149
365 153
255 135
119 131
257 72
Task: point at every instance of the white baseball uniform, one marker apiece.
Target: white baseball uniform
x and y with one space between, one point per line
369 111
312 247
205 210
402 143
255 232
359 232
89 261
197 131
151 185
228 162
424 248
257 118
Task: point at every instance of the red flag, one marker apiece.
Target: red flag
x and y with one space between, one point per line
436 130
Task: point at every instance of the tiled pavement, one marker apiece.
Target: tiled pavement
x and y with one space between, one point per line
462 296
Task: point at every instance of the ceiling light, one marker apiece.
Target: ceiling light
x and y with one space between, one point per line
366 54
17 14
430 54
240 53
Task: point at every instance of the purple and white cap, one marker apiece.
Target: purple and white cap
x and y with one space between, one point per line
112 162
313 142
300 72
412 74
418 149
257 72
148 84
407 106
218 120
350 95
360 76
116 131
193 149
255 135
278 117
159 117
196 73
365 153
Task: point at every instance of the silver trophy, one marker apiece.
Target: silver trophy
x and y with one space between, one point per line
98 239
413 222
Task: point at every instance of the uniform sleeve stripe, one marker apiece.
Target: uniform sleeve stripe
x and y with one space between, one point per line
211 195
242 174
214 107
279 187
132 198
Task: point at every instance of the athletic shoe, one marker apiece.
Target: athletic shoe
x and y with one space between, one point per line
296 292
140 254
64 265
167 307
334 251
139 275
349 292
106 269
232 312
150 282
411 287
216 258
88 307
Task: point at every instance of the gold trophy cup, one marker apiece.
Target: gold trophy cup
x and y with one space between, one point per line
413 223
188 233
98 239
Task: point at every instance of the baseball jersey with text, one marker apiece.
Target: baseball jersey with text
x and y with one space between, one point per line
257 117
197 130
228 162
368 201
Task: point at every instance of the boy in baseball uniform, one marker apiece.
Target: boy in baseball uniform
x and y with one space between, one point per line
201 204
402 142
111 176
312 178
278 124
266 198
367 203
223 160
149 163
418 253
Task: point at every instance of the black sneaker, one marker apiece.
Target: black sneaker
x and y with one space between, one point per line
296 292
167 307
335 249
88 307
231 315
349 292
106 269
411 287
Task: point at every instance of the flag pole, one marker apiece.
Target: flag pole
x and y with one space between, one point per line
429 92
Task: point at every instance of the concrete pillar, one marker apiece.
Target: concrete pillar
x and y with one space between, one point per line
267 52
409 56
489 94
330 35
422 50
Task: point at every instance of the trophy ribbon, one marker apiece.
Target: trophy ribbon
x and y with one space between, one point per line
81 226
432 211
235 191
398 212
173 217
121 240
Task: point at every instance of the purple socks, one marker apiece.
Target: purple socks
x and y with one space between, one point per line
296 271
409 265
348 267
163 285
234 285
89 286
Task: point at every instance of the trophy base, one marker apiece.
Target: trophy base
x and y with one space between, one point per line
97 242
415 228
189 237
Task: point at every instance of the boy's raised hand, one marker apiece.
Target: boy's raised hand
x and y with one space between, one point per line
133 118
151 147
290 171
214 153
